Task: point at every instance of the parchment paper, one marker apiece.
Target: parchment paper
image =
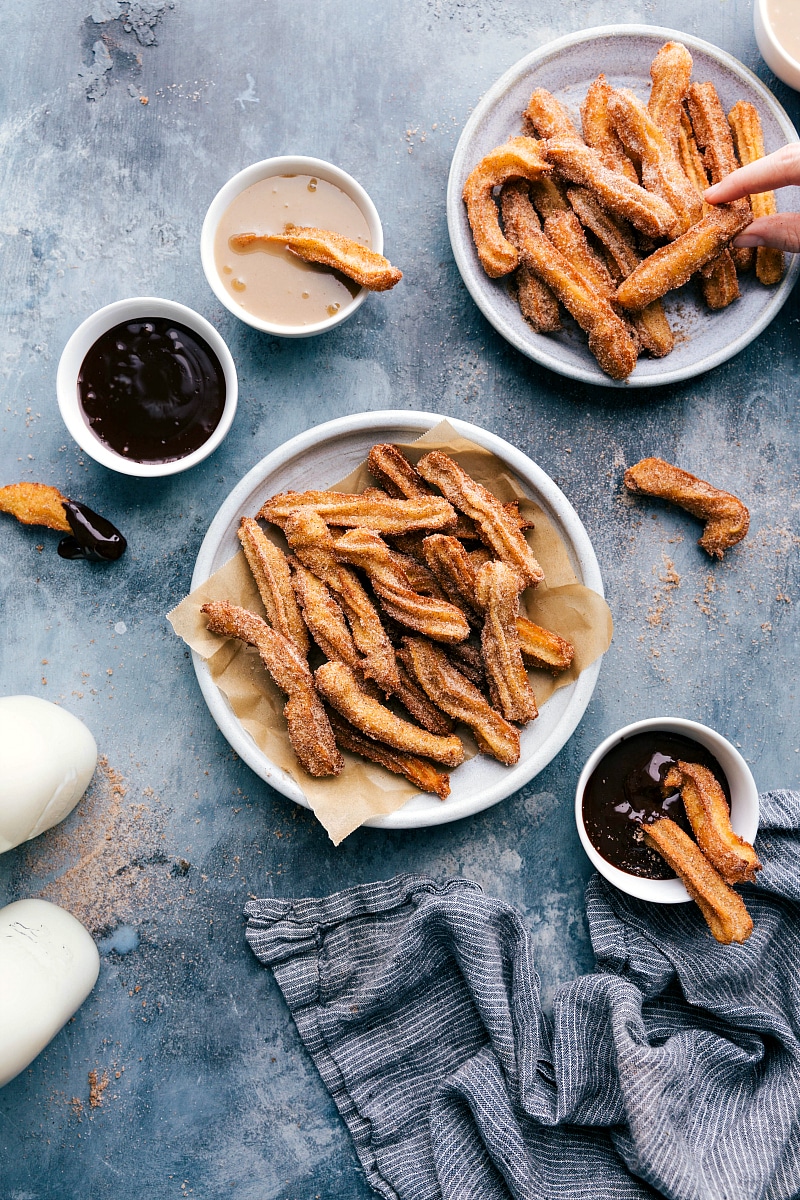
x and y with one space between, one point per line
363 789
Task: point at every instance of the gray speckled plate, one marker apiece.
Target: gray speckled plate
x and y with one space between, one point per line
566 68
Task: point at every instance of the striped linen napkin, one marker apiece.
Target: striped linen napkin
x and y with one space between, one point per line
673 1069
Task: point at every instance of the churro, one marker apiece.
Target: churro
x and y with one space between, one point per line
273 578
309 728
748 137
422 774
670 71
723 909
35 504
726 518
713 136
497 529
548 117
707 810
460 699
338 684
355 260
497 590
542 648
385 515
324 617
599 131
518 158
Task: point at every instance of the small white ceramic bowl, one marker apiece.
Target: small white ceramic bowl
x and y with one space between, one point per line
744 802
294 164
775 56
81 342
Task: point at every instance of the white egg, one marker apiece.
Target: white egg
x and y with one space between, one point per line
48 966
47 758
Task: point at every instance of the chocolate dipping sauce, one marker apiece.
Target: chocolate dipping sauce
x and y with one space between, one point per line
152 390
624 792
272 283
92 537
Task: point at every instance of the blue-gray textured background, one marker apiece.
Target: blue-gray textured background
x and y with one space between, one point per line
102 196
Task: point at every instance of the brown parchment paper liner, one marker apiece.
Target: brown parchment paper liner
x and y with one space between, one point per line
364 789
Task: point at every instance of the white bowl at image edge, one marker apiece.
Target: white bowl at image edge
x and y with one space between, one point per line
294 164
773 53
744 802
82 340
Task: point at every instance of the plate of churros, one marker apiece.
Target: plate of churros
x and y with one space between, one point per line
576 215
433 621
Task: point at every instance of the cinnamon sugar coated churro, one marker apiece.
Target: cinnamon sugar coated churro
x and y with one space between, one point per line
726 517
748 138
366 267
707 810
518 158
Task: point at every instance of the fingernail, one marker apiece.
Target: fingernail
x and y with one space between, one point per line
747 240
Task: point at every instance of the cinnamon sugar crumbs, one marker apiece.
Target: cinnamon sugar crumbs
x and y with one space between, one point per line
662 596
97 1085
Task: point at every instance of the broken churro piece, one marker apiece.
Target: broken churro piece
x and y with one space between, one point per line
385 515
542 648
366 267
518 158
707 810
422 774
727 519
309 728
748 137
35 504
339 686
497 529
619 195
274 582
723 909
497 590
460 699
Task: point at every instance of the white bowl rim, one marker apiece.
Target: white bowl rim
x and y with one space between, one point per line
454 203
285 164
760 9
584 686
744 797
84 337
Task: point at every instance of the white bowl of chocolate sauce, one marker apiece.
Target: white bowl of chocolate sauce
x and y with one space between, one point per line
619 790
147 387
272 289
777 29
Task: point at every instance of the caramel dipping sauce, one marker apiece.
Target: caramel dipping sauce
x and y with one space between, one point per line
272 283
624 792
784 19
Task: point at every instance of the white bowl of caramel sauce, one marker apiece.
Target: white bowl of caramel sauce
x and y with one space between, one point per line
777 27
147 387
270 288
619 790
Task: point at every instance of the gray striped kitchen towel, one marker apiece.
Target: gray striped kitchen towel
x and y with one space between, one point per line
673 1069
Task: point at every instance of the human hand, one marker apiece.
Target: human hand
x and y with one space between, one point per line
774 171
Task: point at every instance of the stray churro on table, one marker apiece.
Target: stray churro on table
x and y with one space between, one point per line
726 517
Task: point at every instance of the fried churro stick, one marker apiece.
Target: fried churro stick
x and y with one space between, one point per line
723 909
599 131
339 686
420 706
727 519
536 302
368 268
748 137
518 158
273 578
623 198
651 325
457 574
497 591
437 619
566 233
670 71
713 136
673 265
497 529
718 280
548 196
609 339
35 504
422 774
662 173
467 657
549 117
383 514
453 692
707 810
311 541
324 617
309 728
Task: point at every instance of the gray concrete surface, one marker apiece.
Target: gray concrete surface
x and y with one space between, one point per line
102 196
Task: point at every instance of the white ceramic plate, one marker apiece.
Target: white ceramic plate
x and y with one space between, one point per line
318 458
566 68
